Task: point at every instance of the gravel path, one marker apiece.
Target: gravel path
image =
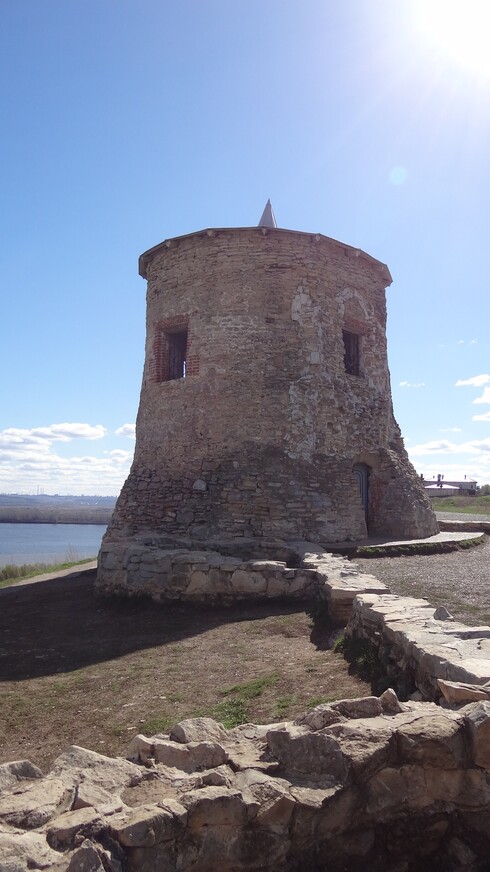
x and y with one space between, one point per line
460 580
461 516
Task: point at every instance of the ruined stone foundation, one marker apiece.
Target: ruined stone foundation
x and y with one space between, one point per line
359 784
265 413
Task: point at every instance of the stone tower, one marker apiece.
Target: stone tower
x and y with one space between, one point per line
265 408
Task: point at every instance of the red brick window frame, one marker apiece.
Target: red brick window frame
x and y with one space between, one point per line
171 349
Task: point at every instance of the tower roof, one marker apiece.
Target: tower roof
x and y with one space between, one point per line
268 218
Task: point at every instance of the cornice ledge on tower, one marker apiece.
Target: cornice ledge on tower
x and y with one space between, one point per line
350 250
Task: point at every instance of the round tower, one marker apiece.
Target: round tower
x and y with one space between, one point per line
265 409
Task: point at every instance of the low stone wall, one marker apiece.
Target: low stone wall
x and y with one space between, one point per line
421 645
456 526
357 784
203 576
180 571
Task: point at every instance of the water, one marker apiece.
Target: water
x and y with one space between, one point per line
48 543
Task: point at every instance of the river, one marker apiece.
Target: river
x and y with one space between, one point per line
48 543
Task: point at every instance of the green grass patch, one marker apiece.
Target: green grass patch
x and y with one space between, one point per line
233 710
321 700
479 505
251 689
231 713
156 724
362 655
284 703
12 573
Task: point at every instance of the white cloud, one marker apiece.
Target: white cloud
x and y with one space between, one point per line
86 474
120 458
406 384
28 461
436 446
473 461
67 432
443 446
476 382
42 437
452 430
16 445
485 397
484 417
128 430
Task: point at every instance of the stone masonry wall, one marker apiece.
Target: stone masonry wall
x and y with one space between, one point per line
260 438
421 648
154 568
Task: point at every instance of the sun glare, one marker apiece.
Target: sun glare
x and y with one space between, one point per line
460 29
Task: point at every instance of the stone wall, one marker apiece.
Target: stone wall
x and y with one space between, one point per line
260 437
423 648
357 784
164 571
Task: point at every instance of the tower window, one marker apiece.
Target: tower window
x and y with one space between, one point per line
351 352
170 352
177 349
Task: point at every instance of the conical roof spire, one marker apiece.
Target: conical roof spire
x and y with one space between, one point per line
268 218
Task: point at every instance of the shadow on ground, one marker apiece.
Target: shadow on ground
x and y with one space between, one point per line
60 625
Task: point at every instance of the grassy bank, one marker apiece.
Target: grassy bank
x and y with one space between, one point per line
467 505
12 573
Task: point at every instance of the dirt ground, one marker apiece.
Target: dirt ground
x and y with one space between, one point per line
75 669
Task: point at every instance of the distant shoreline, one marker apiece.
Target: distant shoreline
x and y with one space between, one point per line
46 515
55 509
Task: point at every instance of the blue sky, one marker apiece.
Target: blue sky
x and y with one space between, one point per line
126 122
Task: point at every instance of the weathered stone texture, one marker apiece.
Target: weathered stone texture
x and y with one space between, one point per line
376 785
141 567
436 656
260 438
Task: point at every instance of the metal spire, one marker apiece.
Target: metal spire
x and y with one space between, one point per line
268 218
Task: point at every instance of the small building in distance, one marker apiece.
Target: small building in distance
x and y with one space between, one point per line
441 490
438 486
266 409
